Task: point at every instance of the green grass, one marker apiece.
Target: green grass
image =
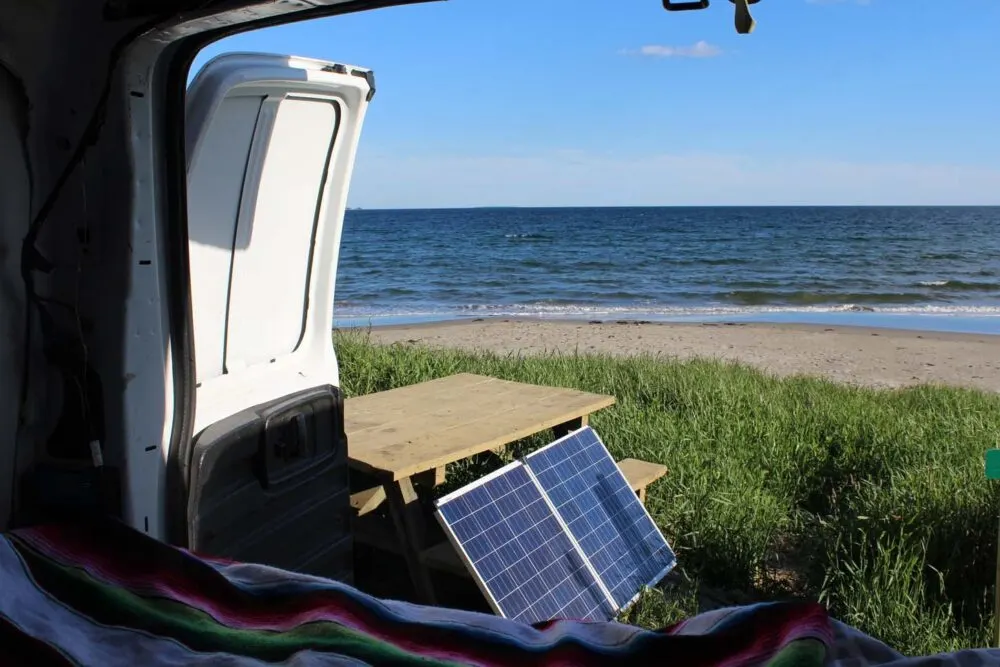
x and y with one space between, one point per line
872 501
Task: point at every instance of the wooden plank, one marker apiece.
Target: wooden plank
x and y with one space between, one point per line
430 421
439 397
373 410
368 500
641 474
429 405
411 532
451 422
422 451
432 478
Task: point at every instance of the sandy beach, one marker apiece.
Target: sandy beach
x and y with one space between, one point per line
855 355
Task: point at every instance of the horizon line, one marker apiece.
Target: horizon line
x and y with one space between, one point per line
652 206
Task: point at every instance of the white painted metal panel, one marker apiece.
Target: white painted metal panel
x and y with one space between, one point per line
279 284
215 184
272 254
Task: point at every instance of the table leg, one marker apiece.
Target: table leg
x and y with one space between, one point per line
411 531
572 425
431 478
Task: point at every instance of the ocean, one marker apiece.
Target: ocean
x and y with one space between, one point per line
933 268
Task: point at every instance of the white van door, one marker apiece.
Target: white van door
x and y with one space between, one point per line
271 142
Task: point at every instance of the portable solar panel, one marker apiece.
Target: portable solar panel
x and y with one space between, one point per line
519 551
560 534
602 513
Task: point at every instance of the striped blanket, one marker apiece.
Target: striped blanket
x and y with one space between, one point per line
107 595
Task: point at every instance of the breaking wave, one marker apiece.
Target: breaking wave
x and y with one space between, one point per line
567 310
962 285
527 236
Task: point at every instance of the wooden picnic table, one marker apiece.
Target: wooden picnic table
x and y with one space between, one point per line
413 432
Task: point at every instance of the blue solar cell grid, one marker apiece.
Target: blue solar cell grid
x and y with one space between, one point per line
611 525
520 552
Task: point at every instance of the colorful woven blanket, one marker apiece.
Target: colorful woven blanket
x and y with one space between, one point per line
107 595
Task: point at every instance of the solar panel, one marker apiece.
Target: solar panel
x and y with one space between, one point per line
517 548
606 519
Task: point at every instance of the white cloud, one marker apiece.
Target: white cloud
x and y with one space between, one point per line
577 178
700 49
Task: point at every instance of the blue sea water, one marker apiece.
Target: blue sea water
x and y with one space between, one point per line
935 268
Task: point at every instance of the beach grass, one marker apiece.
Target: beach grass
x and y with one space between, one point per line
872 501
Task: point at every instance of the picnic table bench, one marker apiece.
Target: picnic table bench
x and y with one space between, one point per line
402 440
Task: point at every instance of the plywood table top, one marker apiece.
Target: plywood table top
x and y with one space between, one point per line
409 430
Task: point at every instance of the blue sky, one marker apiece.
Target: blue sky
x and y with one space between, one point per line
615 102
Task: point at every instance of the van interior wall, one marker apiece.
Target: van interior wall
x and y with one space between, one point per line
15 206
65 164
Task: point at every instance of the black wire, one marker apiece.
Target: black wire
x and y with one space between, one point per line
56 302
31 258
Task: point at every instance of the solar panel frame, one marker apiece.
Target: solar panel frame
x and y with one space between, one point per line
548 599
609 581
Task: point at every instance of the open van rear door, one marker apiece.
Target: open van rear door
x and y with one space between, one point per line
270 148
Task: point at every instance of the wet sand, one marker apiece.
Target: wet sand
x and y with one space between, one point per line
855 355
